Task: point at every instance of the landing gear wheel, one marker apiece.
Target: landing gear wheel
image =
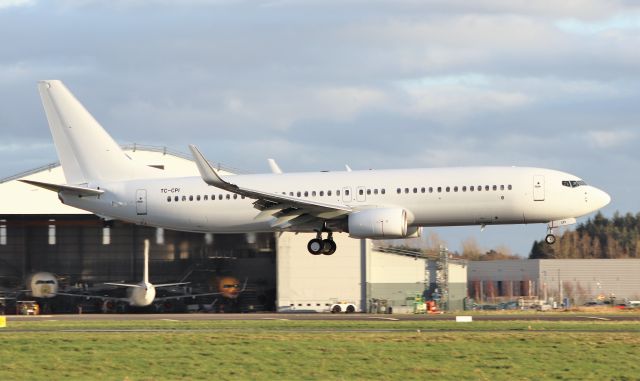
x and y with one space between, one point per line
328 247
550 239
336 309
315 246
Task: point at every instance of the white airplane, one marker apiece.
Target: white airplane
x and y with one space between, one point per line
42 285
142 294
377 204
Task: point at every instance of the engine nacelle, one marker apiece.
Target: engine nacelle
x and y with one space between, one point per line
380 223
414 232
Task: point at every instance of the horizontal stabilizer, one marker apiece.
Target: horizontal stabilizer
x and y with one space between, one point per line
74 189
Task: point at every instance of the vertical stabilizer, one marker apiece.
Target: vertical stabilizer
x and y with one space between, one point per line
145 275
86 151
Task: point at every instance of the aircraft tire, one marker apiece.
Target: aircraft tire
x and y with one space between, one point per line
328 247
550 239
315 246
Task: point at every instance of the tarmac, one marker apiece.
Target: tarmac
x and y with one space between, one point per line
325 317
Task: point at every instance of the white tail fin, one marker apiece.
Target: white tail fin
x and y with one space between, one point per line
145 274
86 151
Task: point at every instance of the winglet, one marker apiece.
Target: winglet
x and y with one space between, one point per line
208 173
347 167
275 168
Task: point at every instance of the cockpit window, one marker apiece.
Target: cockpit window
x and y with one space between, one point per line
573 183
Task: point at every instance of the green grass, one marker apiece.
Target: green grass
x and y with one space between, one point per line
312 350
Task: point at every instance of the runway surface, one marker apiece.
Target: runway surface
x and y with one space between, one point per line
326 317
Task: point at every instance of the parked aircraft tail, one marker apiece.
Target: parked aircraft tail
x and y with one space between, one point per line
86 151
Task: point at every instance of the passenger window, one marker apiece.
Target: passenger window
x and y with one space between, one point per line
423 189
198 198
190 198
346 192
228 197
375 191
399 190
501 187
206 197
430 189
464 188
338 192
448 189
235 196
361 192
242 197
298 194
321 193
306 194
471 188
509 187
219 197
291 194
439 189
415 190
406 190
455 189
382 190
486 187
184 198
176 199
368 191
169 198
313 193
479 188
328 193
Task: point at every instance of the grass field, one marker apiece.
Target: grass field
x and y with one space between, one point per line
320 350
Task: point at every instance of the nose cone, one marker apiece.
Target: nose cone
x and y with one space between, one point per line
600 198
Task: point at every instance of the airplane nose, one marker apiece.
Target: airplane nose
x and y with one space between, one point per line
601 198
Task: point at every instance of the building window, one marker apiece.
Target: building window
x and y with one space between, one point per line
52 232
106 235
159 236
3 232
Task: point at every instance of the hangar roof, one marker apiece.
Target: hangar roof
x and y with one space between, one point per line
20 198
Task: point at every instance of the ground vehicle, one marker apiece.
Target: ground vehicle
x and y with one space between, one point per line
343 307
27 307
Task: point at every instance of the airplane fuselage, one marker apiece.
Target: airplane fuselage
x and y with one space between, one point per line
431 197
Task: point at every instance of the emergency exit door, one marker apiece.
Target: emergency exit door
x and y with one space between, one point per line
141 202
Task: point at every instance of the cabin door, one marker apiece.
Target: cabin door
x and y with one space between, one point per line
141 202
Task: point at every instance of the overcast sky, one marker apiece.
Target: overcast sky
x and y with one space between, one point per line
317 84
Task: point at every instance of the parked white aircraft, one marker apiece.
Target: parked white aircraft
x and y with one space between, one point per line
378 204
142 294
42 285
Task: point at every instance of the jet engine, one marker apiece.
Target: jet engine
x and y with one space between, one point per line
379 223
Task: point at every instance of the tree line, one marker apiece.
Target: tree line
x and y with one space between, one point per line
598 237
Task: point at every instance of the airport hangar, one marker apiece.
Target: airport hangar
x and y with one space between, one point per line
39 233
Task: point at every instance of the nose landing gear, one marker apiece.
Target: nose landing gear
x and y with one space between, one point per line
319 246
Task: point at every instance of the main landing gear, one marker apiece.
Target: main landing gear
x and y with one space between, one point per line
319 246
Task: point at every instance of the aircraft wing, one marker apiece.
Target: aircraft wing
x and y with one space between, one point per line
170 284
193 296
288 210
73 189
94 297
